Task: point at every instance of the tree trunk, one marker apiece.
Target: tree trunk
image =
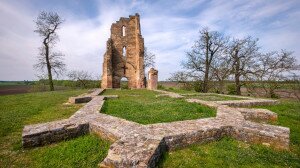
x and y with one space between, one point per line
205 82
49 67
237 77
221 86
82 83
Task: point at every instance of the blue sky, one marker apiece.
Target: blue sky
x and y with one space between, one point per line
169 28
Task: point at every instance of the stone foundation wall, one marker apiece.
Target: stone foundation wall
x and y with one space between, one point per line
42 134
137 145
247 103
268 135
258 114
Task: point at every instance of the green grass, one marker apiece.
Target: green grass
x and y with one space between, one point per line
231 153
143 107
212 97
19 110
85 151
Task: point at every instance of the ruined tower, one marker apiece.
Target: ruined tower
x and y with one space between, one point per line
152 79
124 56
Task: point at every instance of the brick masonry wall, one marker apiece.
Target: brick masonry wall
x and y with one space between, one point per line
124 56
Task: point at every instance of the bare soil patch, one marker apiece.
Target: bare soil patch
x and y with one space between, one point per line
14 89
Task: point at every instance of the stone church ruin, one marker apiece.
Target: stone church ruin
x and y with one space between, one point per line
139 145
124 56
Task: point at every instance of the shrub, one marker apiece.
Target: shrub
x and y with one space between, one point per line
273 94
171 88
161 87
231 89
197 86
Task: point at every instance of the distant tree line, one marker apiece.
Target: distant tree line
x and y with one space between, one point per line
215 59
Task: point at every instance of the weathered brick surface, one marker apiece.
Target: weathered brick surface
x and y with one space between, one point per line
137 145
112 126
152 79
77 100
84 98
42 134
275 136
134 150
257 114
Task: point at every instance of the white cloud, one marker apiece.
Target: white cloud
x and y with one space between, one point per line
169 29
18 43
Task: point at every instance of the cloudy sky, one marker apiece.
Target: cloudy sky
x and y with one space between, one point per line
169 28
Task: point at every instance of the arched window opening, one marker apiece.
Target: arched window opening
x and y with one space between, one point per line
124 79
124 52
123 31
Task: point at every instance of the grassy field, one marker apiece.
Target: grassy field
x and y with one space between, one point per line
143 107
212 97
19 110
231 153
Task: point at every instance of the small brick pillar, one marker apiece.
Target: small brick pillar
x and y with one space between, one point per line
152 79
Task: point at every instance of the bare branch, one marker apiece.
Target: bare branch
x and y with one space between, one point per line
83 77
149 58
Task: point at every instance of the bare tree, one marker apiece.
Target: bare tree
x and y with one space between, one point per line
149 58
47 23
183 78
83 77
243 52
180 77
273 67
202 54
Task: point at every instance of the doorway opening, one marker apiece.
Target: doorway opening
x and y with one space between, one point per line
124 83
